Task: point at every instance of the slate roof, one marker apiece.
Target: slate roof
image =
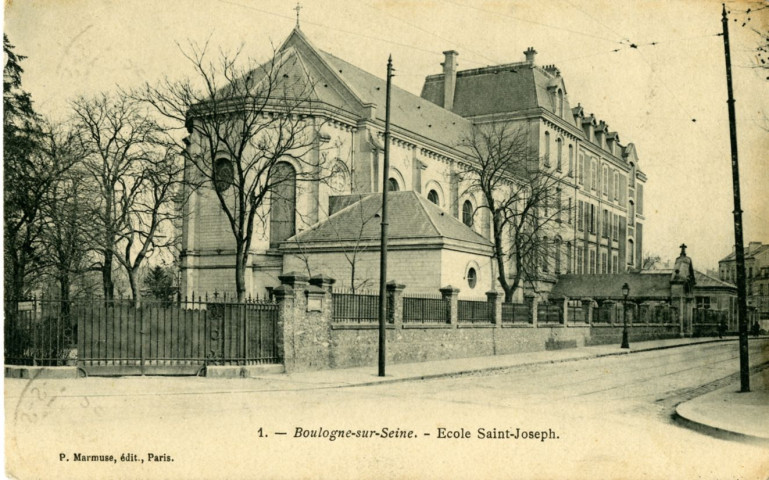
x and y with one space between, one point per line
706 281
498 89
648 285
409 111
701 279
748 254
411 217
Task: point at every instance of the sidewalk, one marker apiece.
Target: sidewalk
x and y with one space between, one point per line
728 412
362 376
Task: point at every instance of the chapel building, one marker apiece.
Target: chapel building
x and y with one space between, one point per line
439 236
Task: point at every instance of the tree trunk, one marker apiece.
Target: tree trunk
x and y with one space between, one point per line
499 254
136 291
240 273
106 276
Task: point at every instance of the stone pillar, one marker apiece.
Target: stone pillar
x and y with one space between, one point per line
395 303
531 302
587 310
284 296
451 294
495 307
323 281
306 321
565 315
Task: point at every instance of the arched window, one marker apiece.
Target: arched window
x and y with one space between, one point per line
559 153
547 149
472 278
630 252
571 160
467 213
432 195
631 213
392 185
283 203
224 174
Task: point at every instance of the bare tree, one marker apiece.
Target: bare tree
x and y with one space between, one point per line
132 180
523 196
66 230
243 120
356 236
650 261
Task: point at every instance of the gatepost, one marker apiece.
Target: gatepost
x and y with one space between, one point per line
495 307
451 294
395 303
531 302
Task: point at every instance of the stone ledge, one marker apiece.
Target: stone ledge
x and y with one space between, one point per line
427 326
243 371
25 371
476 325
362 326
517 325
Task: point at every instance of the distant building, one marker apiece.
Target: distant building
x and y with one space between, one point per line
756 277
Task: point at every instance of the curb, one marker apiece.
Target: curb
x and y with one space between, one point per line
460 373
716 432
41 372
235 371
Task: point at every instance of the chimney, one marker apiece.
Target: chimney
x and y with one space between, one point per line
530 54
449 78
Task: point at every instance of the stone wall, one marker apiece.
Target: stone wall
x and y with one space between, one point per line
310 339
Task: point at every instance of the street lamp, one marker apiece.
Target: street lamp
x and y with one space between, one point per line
625 293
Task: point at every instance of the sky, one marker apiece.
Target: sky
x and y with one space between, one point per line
653 70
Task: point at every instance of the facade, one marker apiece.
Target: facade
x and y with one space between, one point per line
603 184
756 277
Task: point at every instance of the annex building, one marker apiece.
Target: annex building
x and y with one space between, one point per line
440 236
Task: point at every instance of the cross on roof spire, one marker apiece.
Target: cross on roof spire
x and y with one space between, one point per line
297 8
683 249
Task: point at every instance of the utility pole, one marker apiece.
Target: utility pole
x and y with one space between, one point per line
383 253
738 246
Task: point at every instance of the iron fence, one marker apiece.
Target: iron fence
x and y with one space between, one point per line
516 313
576 313
657 314
426 309
474 311
706 316
351 307
119 334
549 313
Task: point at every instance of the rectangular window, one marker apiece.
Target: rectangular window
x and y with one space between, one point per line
640 198
610 185
581 169
592 262
580 215
604 264
559 206
592 219
616 186
605 226
615 263
605 181
593 175
580 261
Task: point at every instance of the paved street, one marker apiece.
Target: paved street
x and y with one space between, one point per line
608 417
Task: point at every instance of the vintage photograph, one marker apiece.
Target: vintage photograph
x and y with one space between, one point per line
386 239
